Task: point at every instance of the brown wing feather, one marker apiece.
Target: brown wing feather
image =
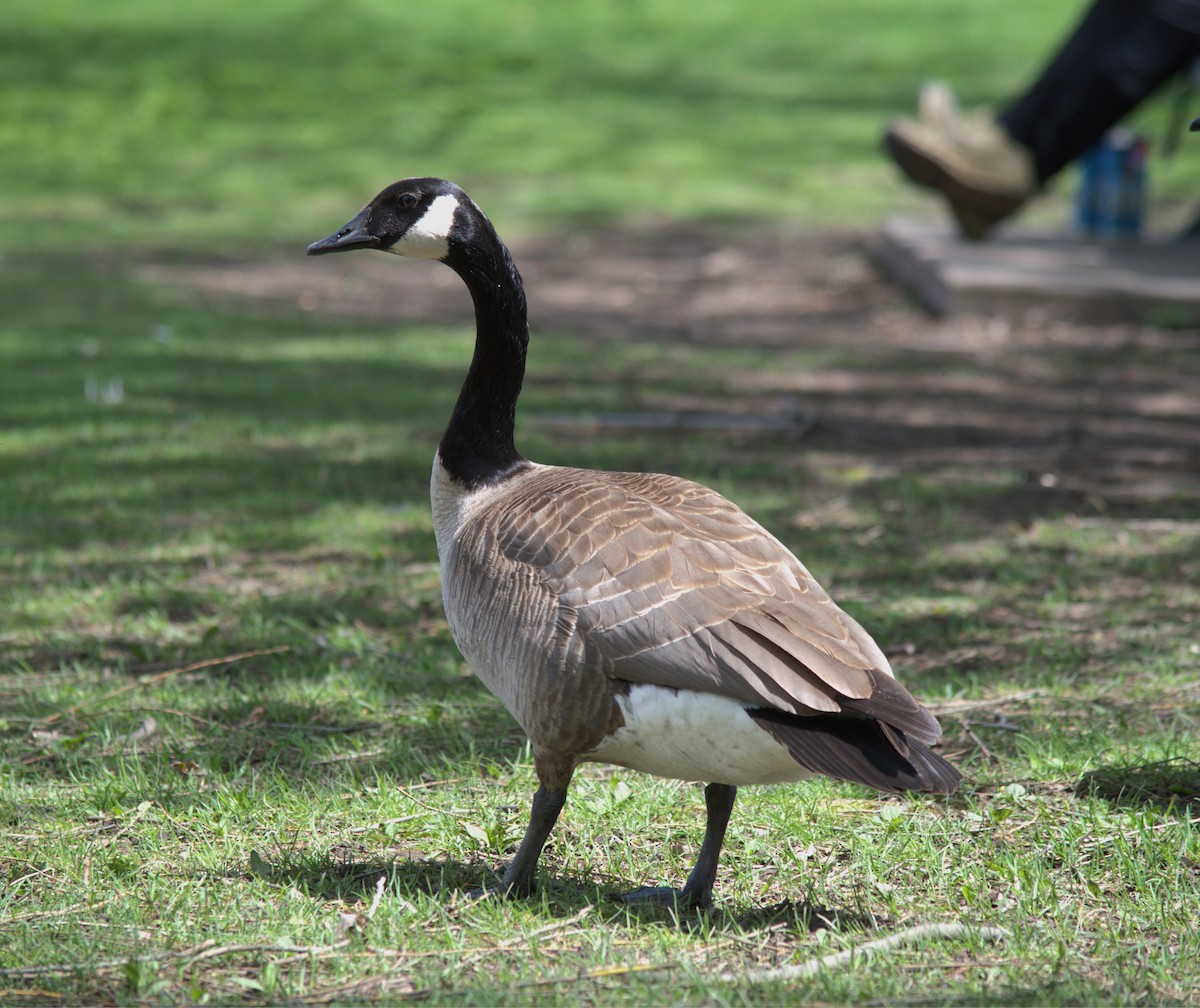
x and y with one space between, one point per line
674 585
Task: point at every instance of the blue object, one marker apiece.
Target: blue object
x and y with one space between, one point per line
1110 202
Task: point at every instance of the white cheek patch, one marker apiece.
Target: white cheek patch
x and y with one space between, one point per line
429 236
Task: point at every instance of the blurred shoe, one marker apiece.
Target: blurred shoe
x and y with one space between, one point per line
983 173
937 105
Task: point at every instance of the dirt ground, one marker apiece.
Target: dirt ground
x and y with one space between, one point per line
1103 415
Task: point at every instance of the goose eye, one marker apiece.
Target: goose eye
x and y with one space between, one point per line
408 200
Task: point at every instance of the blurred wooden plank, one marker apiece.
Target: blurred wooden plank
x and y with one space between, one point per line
1149 281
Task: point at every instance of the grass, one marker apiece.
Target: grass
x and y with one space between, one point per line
229 704
135 123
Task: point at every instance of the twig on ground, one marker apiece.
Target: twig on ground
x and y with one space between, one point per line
150 680
407 790
382 881
987 753
382 823
197 953
51 969
799 970
138 813
292 950
962 706
1137 524
866 950
525 938
348 757
40 914
1001 723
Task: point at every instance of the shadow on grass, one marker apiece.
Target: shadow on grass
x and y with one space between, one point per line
251 742
229 443
353 874
1171 784
307 749
801 918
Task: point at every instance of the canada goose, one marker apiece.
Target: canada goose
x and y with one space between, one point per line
631 618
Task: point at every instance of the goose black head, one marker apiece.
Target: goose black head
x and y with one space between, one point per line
414 217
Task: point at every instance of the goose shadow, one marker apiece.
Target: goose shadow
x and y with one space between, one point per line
1165 784
354 875
406 873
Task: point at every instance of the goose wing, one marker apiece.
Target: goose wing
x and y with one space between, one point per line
672 584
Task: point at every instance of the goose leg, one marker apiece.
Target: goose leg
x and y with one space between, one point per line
520 876
697 891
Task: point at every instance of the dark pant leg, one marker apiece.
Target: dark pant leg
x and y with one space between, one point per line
1120 53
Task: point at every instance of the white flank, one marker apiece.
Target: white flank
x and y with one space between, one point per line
696 737
429 237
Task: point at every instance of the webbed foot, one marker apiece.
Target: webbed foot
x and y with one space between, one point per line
520 877
697 891
665 897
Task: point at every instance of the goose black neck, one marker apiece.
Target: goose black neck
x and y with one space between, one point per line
477 448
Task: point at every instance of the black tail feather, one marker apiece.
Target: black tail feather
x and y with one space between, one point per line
859 749
893 705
